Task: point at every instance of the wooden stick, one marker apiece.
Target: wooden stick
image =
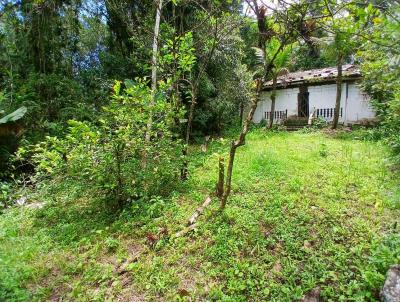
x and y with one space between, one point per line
185 231
199 211
123 268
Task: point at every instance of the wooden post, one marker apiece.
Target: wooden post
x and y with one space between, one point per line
221 177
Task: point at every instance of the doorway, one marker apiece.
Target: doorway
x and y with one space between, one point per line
303 102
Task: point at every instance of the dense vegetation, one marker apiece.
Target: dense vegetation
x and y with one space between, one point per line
103 107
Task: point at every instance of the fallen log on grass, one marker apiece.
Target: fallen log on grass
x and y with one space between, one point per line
199 211
185 231
192 220
123 268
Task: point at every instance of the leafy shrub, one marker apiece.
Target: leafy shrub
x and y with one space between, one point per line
391 126
319 123
5 191
51 99
381 79
384 253
114 156
111 244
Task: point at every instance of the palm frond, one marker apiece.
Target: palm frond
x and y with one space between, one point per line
260 56
272 47
283 72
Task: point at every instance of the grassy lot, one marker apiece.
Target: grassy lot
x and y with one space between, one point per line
307 211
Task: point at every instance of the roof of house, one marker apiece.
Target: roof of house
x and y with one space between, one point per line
315 76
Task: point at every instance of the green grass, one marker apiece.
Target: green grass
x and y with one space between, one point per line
307 210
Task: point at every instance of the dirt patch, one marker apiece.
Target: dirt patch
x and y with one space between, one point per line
312 296
131 295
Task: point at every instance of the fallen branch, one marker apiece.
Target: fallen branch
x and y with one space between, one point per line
185 231
199 211
192 220
123 268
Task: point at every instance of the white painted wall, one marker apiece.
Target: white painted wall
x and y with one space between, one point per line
286 99
324 97
358 106
355 104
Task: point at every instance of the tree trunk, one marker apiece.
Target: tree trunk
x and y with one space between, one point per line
185 231
262 27
241 112
221 176
228 183
194 88
191 116
273 97
154 68
262 38
184 170
339 81
195 84
240 142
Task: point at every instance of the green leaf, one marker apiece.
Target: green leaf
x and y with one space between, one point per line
129 83
14 116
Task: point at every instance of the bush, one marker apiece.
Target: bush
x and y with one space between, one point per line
114 155
319 123
51 100
5 191
381 78
391 126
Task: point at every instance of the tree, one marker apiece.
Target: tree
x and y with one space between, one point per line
340 43
278 70
380 68
287 20
215 30
154 65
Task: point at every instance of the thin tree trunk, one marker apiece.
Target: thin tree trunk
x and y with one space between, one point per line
273 97
241 112
154 68
184 170
185 231
240 142
191 115
262 38
339 81
221 176
196 84
194 87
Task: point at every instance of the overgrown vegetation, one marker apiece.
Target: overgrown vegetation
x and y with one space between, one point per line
381 75
109 156
103 106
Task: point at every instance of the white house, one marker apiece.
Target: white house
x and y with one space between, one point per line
302 93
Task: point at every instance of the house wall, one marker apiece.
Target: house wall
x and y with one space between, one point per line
324 97
286 99
358 106
355 104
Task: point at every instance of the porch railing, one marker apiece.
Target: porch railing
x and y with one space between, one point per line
278 115
327 113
